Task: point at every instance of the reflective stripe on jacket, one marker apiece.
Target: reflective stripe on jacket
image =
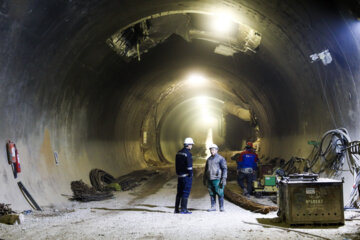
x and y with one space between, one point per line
183 162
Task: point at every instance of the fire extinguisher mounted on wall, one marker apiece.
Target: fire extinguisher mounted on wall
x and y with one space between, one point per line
13 157
11 151
17 163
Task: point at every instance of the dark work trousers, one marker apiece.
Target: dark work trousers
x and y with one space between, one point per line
249 179
214 188
184 187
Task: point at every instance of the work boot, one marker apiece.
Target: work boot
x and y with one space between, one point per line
221 204
246 193
213 203
177 203
184 210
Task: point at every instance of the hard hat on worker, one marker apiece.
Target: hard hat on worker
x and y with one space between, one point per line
249 145
213 146
189 141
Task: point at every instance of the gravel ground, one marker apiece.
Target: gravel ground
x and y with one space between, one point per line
147 213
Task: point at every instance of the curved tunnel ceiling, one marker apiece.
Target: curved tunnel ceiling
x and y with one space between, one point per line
65 90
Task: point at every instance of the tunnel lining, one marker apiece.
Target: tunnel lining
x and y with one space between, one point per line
142 35
52 87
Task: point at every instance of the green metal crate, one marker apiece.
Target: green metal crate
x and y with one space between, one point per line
270 180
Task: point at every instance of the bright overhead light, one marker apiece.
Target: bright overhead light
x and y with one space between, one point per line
205 112
207 117
196 79
222 23
202 100
208 142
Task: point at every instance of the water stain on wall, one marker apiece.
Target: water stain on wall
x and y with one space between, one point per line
46 150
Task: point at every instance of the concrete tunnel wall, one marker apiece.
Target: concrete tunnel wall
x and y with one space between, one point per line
63 89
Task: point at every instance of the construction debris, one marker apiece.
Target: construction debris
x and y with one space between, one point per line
99 179
12 219
114 187
102 181
84 193
7 215
5 209
234 194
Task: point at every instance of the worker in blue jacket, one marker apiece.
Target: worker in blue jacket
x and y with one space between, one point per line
246 167
184 171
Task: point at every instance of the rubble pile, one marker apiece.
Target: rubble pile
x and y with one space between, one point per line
100 179
5 209
83 193
103 183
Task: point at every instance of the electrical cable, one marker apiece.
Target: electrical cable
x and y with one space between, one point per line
339 141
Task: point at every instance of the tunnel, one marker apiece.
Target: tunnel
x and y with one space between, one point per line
118 85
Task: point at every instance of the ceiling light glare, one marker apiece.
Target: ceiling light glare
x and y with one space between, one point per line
196 79
202 100
222 23
205 112
208 119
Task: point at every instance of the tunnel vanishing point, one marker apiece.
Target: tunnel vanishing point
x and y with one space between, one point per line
118 85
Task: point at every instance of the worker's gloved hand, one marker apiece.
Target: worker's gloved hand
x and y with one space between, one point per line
222 182
205 182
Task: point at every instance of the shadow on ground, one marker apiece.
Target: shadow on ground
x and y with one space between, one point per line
152 186
170 207
147 210
276 222
130 210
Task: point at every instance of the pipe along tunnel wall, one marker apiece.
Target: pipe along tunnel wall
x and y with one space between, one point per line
63 89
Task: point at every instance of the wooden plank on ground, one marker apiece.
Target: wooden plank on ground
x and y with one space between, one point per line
234 194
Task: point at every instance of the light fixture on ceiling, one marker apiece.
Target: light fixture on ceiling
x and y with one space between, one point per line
207 117
196 79
202 100
324 56
225 50
222 23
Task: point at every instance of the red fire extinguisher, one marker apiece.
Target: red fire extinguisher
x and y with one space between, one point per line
17 163
11 151
13 156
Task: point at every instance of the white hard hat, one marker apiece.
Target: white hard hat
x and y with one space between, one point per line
189 141
214 146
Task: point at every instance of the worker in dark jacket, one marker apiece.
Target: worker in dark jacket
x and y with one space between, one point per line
246 166
184 172
215 175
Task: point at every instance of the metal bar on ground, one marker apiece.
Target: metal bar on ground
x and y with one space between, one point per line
28 196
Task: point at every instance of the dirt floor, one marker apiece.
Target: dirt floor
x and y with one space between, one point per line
147 213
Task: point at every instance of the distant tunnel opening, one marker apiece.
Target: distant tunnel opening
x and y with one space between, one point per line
206 120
